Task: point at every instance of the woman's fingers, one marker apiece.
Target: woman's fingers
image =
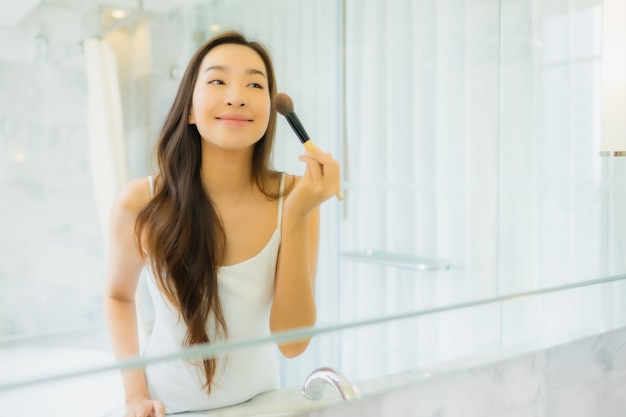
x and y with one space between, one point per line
313 170
320 169
159 409
327 165
323 171
146 408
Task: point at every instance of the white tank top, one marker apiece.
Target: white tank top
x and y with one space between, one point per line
246 291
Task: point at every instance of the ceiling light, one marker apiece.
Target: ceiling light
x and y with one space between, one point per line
118 14
19 157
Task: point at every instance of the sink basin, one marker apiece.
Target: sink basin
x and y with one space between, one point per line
233 413
286 402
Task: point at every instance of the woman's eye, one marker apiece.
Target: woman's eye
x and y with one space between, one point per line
217 82
256 85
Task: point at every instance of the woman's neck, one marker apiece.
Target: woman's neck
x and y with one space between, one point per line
226 173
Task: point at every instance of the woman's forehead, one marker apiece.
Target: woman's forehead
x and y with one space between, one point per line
233 57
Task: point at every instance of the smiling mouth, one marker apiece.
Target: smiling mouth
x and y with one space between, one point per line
234 121
234 118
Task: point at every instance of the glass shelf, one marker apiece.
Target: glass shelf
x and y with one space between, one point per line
398 260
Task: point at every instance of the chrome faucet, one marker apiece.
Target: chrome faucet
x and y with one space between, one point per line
314 384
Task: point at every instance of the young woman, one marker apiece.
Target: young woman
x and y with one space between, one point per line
230 245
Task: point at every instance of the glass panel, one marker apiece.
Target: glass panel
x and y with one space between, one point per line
467 131
551 210
400 349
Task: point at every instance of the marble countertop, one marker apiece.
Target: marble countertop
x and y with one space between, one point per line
285 402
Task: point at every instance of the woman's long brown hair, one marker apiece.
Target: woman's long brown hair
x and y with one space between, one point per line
180 230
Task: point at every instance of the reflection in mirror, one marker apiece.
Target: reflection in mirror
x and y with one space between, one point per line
229 244
467 132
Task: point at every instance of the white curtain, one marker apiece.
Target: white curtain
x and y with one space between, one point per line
105 127
108 159
107 146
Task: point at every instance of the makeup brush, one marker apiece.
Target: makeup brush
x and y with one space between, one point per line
284 105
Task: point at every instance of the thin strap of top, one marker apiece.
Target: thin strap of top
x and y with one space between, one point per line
151 181
280 198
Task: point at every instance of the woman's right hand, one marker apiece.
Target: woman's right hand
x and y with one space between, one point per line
144 407
320 181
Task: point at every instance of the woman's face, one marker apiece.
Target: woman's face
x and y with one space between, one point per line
231 99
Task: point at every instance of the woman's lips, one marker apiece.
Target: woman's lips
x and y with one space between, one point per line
234 119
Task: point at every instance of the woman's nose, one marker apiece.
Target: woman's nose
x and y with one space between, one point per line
235 97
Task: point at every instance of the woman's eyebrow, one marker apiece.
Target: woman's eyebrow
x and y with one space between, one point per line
256 71
251 71
216 67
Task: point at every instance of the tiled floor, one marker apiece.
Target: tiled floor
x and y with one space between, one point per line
93 395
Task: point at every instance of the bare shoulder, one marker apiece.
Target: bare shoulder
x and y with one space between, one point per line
133 196
290 182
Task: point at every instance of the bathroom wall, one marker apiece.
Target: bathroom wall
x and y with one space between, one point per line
51 256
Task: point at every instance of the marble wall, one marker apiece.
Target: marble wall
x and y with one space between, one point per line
583 378
51 256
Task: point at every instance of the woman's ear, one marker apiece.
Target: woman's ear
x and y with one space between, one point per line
192 119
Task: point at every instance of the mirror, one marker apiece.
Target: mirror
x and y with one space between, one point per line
467 133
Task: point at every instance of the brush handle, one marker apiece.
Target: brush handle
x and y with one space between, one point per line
309 145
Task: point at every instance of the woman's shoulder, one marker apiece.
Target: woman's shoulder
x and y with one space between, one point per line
134 195
291 181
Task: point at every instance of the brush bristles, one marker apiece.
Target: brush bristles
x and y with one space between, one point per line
283 104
